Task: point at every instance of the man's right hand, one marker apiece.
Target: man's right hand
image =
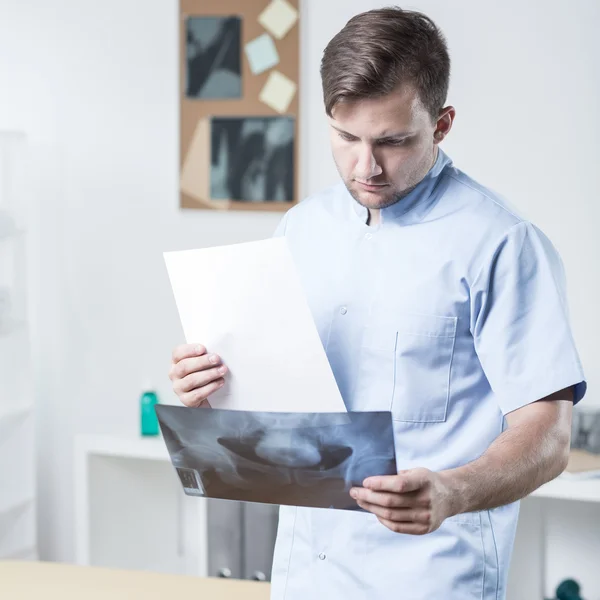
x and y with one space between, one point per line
195 374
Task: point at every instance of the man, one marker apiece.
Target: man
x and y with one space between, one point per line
436 301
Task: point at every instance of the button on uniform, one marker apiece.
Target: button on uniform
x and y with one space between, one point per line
368 236
343 310
322 556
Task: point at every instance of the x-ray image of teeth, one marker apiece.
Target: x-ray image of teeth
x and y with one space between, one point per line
300 459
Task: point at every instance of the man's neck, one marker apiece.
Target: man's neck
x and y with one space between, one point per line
374 216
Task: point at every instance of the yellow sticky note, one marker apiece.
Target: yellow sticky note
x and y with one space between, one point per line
278 91
278 18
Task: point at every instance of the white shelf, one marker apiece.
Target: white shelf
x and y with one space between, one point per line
8 514
16 413
11 328
13 414
17 528
151 448
564 488
16 233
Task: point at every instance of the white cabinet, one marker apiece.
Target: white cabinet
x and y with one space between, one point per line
130 510
17 427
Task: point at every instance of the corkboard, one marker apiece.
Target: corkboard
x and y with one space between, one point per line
196 115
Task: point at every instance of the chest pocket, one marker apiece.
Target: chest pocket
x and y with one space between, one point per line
408 359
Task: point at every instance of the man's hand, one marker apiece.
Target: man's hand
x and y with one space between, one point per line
531 451
415 501
196 374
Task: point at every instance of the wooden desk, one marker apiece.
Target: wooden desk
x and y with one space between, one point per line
54 581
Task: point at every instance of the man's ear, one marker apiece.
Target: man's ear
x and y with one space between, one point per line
444 123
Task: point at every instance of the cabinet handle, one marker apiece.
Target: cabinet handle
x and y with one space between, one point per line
225 572
259 576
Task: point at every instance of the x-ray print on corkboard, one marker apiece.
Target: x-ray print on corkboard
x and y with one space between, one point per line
239 114
252 159
213 56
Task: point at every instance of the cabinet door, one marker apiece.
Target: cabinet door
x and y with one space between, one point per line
225 531
260 530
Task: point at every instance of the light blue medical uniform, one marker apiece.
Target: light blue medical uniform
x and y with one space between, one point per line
450 313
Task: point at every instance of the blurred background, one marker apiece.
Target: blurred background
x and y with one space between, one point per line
89 126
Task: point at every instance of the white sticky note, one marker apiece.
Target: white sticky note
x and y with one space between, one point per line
278 18
246 303
262 54
278 91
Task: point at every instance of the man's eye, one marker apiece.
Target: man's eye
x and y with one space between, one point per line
347 138
392 142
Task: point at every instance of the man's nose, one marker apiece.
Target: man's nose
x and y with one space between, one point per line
367 166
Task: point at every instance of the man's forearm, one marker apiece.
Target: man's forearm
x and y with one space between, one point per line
520 460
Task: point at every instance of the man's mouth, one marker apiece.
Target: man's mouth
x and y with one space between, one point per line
371 187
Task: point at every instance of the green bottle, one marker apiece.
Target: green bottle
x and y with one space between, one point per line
148 418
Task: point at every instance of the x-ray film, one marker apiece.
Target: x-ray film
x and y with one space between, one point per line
299 459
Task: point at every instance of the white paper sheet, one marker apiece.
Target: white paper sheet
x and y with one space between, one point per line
245 302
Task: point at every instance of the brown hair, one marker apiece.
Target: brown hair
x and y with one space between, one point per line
380 49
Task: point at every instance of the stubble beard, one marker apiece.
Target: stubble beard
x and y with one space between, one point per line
392 196
386 200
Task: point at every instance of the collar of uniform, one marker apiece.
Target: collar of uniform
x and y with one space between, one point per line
422 197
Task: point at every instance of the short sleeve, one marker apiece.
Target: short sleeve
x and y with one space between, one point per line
520 322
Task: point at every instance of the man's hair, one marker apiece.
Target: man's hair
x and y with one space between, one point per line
381 49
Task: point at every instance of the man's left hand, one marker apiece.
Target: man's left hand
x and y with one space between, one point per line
416 501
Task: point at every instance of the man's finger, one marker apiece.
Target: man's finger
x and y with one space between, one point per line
202 379
187 351
202 365
407 481
407 528
385 499
197 397
398 515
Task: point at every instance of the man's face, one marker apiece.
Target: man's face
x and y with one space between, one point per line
382 147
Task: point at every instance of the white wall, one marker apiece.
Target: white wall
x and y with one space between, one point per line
95 86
